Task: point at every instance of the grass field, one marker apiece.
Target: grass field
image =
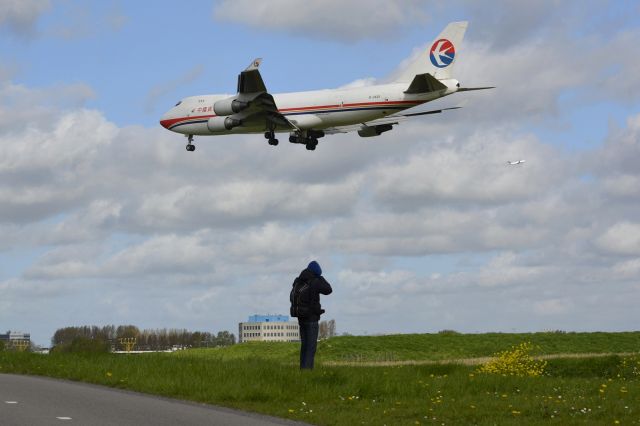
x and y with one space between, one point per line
264 378
436 347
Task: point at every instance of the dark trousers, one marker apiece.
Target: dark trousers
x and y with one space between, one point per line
308 343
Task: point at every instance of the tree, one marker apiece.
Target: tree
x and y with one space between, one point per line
127 331
323 330
332 328
327 329
225 338
81 344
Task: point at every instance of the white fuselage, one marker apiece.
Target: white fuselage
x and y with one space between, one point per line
318 110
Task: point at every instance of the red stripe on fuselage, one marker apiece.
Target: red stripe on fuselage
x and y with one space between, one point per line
171 121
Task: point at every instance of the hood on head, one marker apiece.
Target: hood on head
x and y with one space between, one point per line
315 268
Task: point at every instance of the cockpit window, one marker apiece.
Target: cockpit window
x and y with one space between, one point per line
179 102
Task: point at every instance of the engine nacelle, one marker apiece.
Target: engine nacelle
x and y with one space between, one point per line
229 106
370 131
221 124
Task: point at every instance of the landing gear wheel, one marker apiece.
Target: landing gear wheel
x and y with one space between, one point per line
190 146
311 144
273 142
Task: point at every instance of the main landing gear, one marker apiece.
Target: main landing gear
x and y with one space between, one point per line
190 147
271 137
309 138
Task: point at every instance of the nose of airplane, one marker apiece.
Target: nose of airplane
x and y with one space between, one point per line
165 120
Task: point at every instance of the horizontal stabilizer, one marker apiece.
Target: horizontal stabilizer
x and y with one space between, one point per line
424 83
469 89
435 111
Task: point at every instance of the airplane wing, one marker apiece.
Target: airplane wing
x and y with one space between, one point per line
376 127
261 109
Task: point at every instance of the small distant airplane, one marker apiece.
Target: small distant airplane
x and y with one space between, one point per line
513 163
309 116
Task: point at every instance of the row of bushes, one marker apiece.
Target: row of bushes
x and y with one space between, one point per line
94 339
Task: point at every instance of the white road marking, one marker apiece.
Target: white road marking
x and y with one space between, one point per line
11 402
63 418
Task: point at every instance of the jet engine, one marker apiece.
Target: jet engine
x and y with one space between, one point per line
221 124
229 106
369 131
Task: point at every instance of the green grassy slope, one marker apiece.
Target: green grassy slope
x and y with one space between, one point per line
433 347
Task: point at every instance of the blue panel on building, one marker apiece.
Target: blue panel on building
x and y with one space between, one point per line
268 318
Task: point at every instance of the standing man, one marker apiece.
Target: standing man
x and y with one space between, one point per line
305 305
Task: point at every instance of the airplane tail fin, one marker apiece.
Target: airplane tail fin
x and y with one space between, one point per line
439 57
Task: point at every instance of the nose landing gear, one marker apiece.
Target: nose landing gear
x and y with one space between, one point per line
190 147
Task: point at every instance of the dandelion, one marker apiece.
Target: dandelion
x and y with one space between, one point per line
109 374
291 410
515 412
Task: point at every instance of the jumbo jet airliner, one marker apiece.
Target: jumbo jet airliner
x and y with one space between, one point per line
309 116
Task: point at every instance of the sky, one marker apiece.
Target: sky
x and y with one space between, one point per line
106 219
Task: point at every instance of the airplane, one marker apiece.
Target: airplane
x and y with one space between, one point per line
513 163
309 116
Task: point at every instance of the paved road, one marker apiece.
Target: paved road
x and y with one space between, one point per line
28 400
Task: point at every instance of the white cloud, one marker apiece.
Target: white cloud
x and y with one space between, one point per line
330 19
475 171
621 238
84 19
361 82
20 16
132 218
552 307
22 107
627 269
48 172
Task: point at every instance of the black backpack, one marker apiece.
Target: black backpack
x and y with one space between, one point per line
299 297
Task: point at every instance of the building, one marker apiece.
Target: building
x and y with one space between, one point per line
16 339
268 328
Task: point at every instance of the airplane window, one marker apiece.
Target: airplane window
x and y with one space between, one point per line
178 103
